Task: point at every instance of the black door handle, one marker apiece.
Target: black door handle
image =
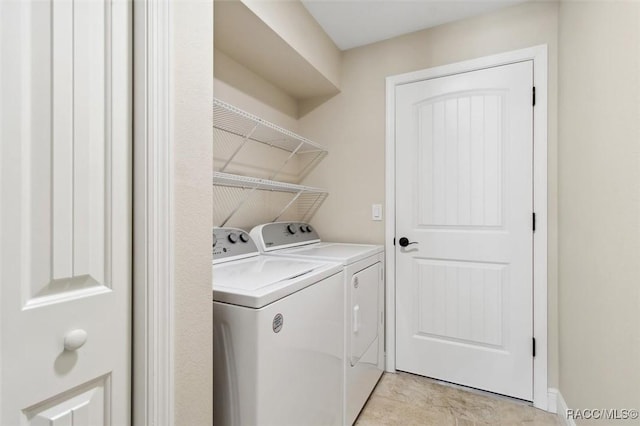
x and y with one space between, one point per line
404 241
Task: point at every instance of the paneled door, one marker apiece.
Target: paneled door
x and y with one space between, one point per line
65 212
464 189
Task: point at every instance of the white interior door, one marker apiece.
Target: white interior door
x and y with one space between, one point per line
65 212
464 188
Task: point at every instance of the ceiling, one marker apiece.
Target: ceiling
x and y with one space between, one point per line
353 23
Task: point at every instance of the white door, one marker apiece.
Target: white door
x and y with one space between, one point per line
65 212
464 188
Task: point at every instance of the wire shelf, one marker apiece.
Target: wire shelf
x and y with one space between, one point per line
243 200
244 172
243 124
248 182
294 156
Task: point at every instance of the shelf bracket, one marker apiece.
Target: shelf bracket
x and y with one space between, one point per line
240 204
291 155
244 141
311 165
319 198
293 200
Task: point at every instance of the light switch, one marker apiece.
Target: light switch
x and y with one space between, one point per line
376 211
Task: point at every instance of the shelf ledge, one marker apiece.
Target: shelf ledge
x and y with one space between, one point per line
246 182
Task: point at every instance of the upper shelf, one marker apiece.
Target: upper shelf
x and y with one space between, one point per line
234 120
293 54
241 126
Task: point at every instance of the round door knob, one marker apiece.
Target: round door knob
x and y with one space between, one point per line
292 229
404 241
233 238
244 238
74 339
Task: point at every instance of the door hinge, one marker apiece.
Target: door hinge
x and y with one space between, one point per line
534 221
534 347
534 95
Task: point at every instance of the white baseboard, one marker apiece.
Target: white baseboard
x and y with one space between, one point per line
552 400
558 405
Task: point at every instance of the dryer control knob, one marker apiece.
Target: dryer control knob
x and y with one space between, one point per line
303 229
244 238
309 229
292 228
233 238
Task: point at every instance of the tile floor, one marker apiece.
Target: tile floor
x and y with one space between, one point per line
405 399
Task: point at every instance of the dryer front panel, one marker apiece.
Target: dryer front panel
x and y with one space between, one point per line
364 310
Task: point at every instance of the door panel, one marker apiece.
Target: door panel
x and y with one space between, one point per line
464 195
460 301
459 160
83 406
65 216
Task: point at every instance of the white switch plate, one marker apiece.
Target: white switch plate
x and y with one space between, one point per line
376 211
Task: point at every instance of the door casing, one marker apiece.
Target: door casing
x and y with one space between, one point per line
539 56
153 218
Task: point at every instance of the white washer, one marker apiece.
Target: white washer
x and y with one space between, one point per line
278 337
364 301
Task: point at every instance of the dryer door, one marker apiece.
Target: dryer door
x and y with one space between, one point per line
364 308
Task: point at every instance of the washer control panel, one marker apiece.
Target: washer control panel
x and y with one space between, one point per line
271 236
231 244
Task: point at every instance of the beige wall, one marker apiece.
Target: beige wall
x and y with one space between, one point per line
248 91
599 172
245 89
192 134
352 123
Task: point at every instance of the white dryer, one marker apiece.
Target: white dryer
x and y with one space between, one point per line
278 336
363 295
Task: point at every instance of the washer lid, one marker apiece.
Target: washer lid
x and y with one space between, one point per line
335 252
258 281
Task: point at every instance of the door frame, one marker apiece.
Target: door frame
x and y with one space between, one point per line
152 389
538 54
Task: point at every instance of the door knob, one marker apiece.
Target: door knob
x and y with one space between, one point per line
74 339
404 241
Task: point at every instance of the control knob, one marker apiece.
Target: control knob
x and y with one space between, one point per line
244 238
309 228
233 237
291 228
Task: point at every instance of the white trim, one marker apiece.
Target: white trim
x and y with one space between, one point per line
390 226
552 400
539 56
540 178
562 408
153 394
